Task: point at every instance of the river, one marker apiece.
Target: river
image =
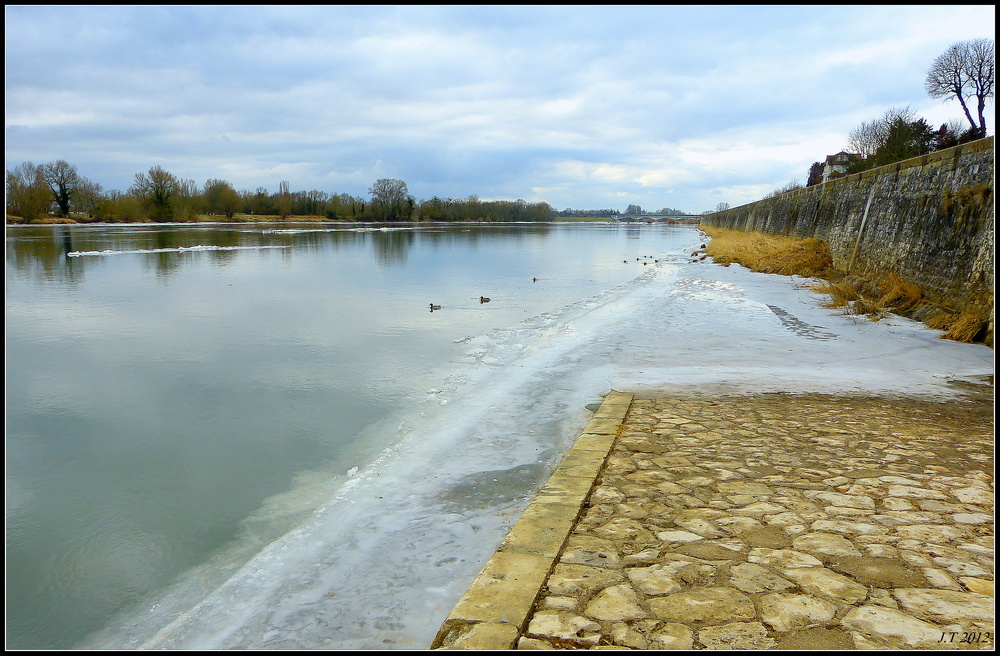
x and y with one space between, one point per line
262 436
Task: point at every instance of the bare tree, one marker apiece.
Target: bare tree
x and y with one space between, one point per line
27 194
868 137
89 197
964 71
284 200
64 181
211 192
221 198
186 200
157 190
389 199
316 201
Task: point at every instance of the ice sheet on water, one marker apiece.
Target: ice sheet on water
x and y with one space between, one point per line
299 231
177 249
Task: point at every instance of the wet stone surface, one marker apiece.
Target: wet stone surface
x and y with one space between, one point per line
783 522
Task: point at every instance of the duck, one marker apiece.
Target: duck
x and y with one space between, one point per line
483 299
435 307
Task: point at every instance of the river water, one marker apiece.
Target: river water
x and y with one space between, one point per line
246 436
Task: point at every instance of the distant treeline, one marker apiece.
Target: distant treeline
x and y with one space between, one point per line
57 192
631 210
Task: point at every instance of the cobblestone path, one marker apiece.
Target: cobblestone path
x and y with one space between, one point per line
783 522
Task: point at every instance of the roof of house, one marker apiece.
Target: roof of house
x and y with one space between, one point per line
842 156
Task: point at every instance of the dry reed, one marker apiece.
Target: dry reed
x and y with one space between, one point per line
811 258
966 328
769 253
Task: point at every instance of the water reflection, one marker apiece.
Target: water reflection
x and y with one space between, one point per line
43 253
390 246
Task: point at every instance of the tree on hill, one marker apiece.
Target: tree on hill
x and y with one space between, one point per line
964 71
953 133
905 139
815 174
869 136
896 135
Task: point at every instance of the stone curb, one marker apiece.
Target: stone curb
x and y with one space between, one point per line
494 611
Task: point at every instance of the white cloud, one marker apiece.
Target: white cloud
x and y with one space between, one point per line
592 105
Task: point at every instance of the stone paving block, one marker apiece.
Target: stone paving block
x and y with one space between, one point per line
575 580
947 606
737 635
570 490
616 402
581 462
600 442
504 591
708 605
603 425
477 635
615 409
892 628
564 627
541 531
592 551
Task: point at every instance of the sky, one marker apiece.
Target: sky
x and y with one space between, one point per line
583 107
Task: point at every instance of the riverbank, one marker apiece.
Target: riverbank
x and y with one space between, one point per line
857 295
262 218
771 521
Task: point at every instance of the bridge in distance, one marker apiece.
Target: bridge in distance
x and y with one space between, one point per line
653 218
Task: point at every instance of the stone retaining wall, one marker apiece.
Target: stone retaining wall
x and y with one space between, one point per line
928 220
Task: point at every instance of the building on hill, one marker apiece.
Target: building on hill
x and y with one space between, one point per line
836 165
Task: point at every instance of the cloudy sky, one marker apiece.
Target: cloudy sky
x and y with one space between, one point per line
582 107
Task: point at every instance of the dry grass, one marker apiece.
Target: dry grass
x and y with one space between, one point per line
874 300
941 320
811 258
966 328
899 295
770 253
51 220
841 294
